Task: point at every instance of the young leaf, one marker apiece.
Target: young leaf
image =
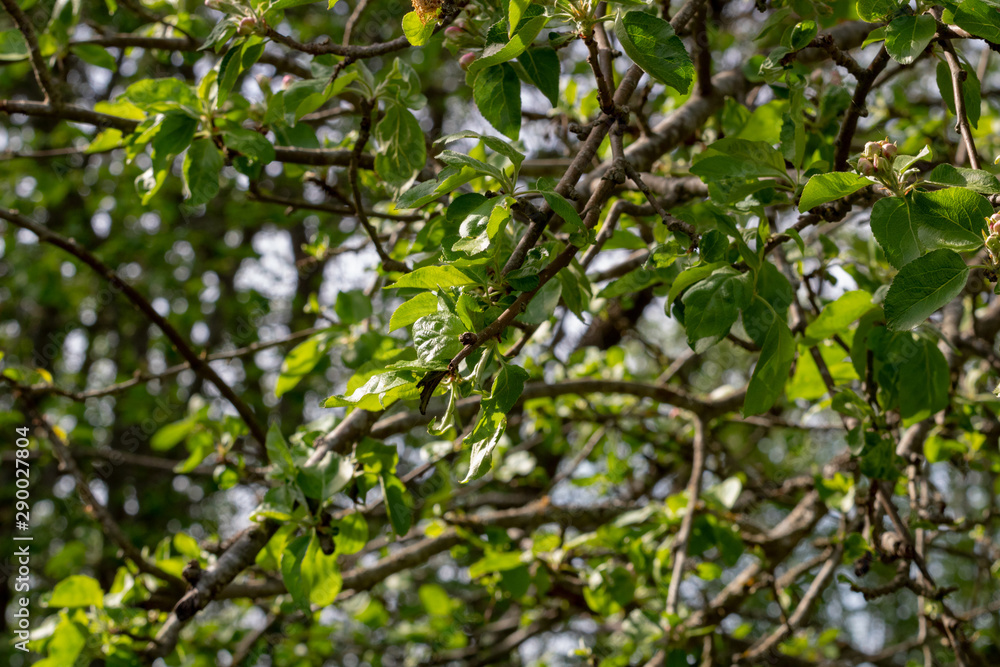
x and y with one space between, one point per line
823 188
435 338
494 54
417 32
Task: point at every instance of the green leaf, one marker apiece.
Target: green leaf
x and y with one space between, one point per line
453 159
924 381
174 133
300 361
580 236
434 277
507 388
229 68
310 576
12 46
352 534
494 54
907 36
162 95
424 193
326 477
251 145
417 32
712 306
971 91
397 504
515 12
874 11
95 55
77 591
402 152
171 435
922 286
435 338
771 373
651 43
979 18
542 66
799 35
977 180
904 162
733 157
823 188
836 317
379 391
906 228
689 277
497 92
410 311
497 145
203 164
278 452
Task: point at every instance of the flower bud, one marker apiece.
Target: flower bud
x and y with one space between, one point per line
872 150
993 222
287 80
993 245
889 149
247 26
865 167
453 32
466 59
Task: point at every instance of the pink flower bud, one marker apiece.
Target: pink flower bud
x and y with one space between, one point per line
453 32
287 80
872 150
865 167
247 26
889 149
466 59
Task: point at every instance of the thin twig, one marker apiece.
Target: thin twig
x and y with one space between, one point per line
388 263
680 545
53 96
958 76
67 463
142 304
